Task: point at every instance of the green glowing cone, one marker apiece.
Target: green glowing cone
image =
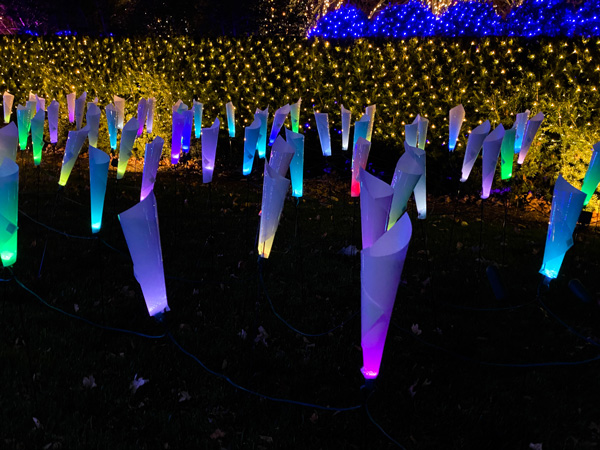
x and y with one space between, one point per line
9 211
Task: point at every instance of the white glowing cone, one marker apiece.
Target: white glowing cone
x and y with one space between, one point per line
151 162
73 146
9 141
457 117
375 202
80 109
275 188
408 171
92 118
533 126
7 105
474 145
210 138
150 115
346 119
251 134
491 151
71 106
322 120
281 156
120 107
278 121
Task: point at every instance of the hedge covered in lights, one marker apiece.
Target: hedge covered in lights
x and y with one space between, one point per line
551 18
494 78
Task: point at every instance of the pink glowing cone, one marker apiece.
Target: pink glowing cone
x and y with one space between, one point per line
360 155
71 106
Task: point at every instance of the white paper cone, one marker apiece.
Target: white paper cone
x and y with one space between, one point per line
37 135
151 162
99 162
9 210
375 202
261 145
126 145
120 107
370 112
281 156
230 110
210 137
9 141
346 118
533 126
275 188
71 106
150 115
491 151
142 113
457 116
474 145
140 227
380 274
92 118
520 125
80 109
295 115
360 155
278 121
7 104
251 135
296 140
53 121
420 190
411 132
408 171
73 146
567 203
322 120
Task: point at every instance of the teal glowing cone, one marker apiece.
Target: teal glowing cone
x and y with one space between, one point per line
278 121
346 118
92 118
120 107
151 162
197 109
9 141
37 136
296 140
142 112
53 121
261 145
80 109
150 115
567 203
230 109
210 138
360 154
520 125
72 148
322 120
361 129
7 104
111 123
408 171
592 176
71 106
533 126
126 145
457 116
491 152
9 211
507 153
140 227
99 162
295 115
474 145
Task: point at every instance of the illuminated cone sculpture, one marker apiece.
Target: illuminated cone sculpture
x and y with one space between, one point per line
73 146
520 125
375 202
322 120
281 156
210 138
120 108
296 140
71 106
151 162
112 122
507 154
99 162
295 115
53 121
9 211
197 109
24 123
408 171
37 136
592 176
261 145
251 134
474 145
360 155
142 113
457 116
346 119
7 105
177 135
92 119
230 110
150 115
533 125
9 141
128 136
491 151
275 188
278 121
80 109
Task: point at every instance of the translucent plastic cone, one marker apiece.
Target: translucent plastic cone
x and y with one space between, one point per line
186 136
296 140
380 274
507 154
375 202
457 116
120 108
533 125
9 211
295 115
261 145
251 135
567 203
80 109
99 162
128 136
37 136
197 109
177 135
92 119
520 125
230 110
7 104
422 124
210 138
151 162
322 120
474 145
9 141
411 133
140 227
278 121
408 171
142 113
361 129
112 125
491 151
275 188
592 176
150 115
41 103
71 106
24 123
420 189
281 156
346 118
73 146
360 155
53 121
370 113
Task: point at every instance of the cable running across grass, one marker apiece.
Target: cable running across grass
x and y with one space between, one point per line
379 427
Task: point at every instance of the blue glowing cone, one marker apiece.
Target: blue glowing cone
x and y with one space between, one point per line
99 162
261 145
9 141
112 123
296 140
278 121
322 120
457 116
151 162
210 138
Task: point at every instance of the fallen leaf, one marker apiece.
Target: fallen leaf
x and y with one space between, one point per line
89 382
217 434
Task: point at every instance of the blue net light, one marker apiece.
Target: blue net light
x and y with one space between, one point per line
346 22
411 19
472 19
